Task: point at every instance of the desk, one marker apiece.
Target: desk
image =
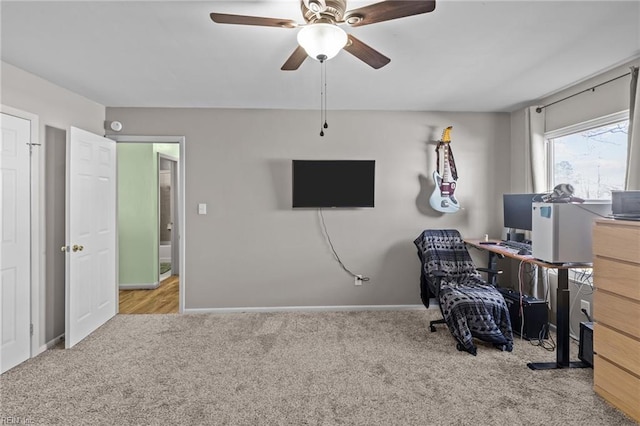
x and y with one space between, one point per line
562 300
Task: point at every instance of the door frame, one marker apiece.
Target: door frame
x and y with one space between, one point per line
181 202
37 225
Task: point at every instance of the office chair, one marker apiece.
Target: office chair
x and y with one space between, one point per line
470 307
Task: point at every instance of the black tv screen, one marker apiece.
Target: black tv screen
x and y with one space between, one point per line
517 210
333 183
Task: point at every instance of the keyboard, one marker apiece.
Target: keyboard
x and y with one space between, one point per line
516 245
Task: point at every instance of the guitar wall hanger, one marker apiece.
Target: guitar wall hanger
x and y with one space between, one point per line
443 198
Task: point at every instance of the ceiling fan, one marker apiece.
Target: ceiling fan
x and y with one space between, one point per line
321 37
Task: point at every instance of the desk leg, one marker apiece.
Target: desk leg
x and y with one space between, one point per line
562 318
562 329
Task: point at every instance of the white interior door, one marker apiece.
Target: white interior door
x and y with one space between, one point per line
175 208
15 295
91 234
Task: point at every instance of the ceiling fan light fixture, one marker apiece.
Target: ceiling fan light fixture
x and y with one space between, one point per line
322 41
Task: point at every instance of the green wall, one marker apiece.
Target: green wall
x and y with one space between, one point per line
138 235
171 149
137 214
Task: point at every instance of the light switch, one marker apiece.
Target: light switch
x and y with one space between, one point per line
202 208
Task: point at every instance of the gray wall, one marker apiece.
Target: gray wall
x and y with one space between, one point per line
253 250
54 105
607 99
55 208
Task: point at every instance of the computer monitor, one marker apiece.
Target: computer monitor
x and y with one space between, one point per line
517 210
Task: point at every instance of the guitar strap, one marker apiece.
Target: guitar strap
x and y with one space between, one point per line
452 161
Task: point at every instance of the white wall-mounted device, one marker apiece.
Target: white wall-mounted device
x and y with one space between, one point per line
116 126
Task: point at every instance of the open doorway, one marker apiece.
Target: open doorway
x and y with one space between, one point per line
168 250
150 212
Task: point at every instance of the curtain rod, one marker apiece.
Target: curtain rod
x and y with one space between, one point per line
592 89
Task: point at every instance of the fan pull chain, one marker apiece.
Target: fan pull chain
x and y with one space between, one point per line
324 64
323 97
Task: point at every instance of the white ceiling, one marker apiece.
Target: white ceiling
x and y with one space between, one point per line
464 56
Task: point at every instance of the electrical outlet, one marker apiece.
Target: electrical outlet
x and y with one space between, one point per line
358 280
586 306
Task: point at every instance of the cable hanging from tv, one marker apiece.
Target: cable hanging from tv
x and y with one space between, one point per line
333 250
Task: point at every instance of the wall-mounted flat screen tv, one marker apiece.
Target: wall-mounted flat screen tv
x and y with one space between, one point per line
333 183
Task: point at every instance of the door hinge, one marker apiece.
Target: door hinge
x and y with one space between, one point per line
31 145
31 329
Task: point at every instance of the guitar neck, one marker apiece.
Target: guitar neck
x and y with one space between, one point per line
445 165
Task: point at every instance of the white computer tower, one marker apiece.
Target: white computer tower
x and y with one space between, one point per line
561 232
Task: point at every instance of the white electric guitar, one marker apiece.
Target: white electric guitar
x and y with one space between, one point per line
442 198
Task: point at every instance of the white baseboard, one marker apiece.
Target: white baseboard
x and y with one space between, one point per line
139 286
305 309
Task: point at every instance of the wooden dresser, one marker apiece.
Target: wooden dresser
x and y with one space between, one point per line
616 311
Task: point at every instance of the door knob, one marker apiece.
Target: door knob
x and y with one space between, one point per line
76 248
64 249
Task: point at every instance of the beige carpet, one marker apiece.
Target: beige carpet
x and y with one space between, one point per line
345 368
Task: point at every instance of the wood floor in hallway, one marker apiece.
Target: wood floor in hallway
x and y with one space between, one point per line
162 300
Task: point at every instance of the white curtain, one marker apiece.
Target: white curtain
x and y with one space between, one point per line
534 133
632 181
537 181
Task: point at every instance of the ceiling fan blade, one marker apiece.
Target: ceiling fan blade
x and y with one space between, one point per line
366 53
223 18
295 60
387 10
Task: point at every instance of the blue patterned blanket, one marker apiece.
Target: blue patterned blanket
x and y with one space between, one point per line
470 306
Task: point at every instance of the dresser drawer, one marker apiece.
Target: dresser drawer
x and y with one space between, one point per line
618 240
620 388
617 277
617 347
617 312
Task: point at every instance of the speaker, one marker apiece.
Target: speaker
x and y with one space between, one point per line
534 313
585 351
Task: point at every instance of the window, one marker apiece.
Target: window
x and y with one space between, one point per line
591 156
